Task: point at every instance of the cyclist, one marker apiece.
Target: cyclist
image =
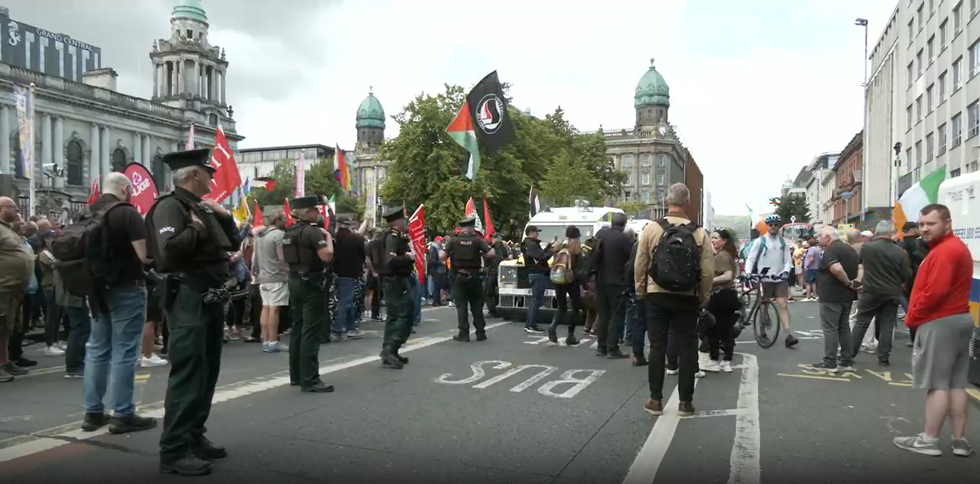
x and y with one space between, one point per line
771 255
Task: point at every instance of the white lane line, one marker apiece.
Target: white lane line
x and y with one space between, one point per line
745 468
225 393
719 413
647 462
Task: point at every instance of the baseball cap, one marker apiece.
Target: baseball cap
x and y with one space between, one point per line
531 229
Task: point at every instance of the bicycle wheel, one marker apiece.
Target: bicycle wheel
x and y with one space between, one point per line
765 324
745 302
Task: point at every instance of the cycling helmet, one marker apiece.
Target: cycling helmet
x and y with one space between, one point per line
772 219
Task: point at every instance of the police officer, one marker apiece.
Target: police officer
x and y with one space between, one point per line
493 267
395 271
190 241
307 249
465 252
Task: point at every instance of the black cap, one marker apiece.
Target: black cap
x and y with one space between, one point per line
468 221
531 229
572 232
304 202
394 213
497 235
184 159
909 226
343 220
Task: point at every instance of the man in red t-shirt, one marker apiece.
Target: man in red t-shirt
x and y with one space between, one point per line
939 311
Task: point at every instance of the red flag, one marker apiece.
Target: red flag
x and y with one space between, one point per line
486 215
289 216
264 182
226 177
93 192
323 213
471 210
258 221
416 233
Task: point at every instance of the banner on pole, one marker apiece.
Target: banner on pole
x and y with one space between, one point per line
144 189
416 233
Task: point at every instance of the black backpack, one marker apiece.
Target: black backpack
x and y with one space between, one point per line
677 259
83 254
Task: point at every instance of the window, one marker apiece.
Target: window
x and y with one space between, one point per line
918 154
932 6
918 109
954 173
645 196
662 179
942 87
973 113
645 160
942 139
973 7
118 160
957 20
74 162
908 72
957 130
908 117
661 160
159 172
908 156
920 16
627 161
190 34
974 58
930 47
930 144
911 31
929 99
645 178
629 178
918 59
957 74
942 34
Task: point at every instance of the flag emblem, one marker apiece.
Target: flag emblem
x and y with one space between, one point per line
490 113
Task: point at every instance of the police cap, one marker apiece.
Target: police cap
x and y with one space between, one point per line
394 213
304 202
468 221
183 159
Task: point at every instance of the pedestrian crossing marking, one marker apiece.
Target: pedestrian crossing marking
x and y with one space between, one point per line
794 375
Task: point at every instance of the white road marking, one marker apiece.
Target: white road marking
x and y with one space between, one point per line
569 377
719 413
225 393
478 373
745 467
647 462
11 419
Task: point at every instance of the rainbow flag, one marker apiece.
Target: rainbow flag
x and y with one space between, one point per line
923 193
341 170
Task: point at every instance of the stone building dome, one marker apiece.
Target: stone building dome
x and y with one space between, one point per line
370 114
189 9
652 90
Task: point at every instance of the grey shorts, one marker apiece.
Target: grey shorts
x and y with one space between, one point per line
941 355
775 289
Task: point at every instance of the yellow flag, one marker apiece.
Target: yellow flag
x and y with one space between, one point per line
240 213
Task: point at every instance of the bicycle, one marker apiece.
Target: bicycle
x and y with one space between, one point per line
760 317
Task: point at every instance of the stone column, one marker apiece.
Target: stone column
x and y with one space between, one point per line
58 145
45 147
224 100
138 148
146 151
156 80
5 140
94 165
106 165
180 77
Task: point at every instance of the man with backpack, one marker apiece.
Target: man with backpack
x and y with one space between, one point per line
674 272
770 254
102 257
614 250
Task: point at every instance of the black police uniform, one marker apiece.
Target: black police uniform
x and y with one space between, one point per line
466 252
307 298
395 271
490 284
192 256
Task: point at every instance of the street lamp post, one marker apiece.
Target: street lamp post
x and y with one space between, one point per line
861 22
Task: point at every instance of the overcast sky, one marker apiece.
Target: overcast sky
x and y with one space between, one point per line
758 87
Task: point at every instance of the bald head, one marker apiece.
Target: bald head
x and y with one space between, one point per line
43 225
116 184
8 210
853 236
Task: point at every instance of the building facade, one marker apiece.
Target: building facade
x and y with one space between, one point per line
695 183
849 182
650 153
828 185
84 130
370 171
39 50
260 162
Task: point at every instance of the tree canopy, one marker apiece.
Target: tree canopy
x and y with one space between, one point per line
320 180
791 206
428 167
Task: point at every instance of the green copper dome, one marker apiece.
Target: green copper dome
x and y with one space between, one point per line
652 90
189 9
370 114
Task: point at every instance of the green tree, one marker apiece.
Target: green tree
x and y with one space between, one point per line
633 208
320 180
791 206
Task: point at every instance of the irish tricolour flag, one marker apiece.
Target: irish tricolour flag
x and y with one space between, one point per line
917 197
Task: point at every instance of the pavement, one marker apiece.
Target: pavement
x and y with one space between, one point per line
514 409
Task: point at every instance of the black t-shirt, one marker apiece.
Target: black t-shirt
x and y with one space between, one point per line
349 254
125 226
829 288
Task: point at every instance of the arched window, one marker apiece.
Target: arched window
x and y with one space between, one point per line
118 160
73 163
159 173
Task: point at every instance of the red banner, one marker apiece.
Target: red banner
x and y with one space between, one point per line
144 189
226 177
416 233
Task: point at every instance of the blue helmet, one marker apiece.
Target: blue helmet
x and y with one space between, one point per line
772 219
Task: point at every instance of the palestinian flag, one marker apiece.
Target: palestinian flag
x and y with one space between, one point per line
482 120
923 193
461 131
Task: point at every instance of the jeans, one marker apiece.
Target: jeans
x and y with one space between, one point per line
630 312
884 311
539 284
80 327
611 308
346 313
111 358
565 294
638 335
724 306
52 318
416 299
834 317
680 325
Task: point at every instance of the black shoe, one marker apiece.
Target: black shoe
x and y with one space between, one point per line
461 338
481 336
94 421
205 449
186 466
294 383
826 367
533 330
884 363
25 362
791 341
130 423
601 352
389 359
616 354
553 334
318 388
639 360
571 340
402 359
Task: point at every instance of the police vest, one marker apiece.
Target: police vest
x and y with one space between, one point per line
210 253
298 254
465 252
